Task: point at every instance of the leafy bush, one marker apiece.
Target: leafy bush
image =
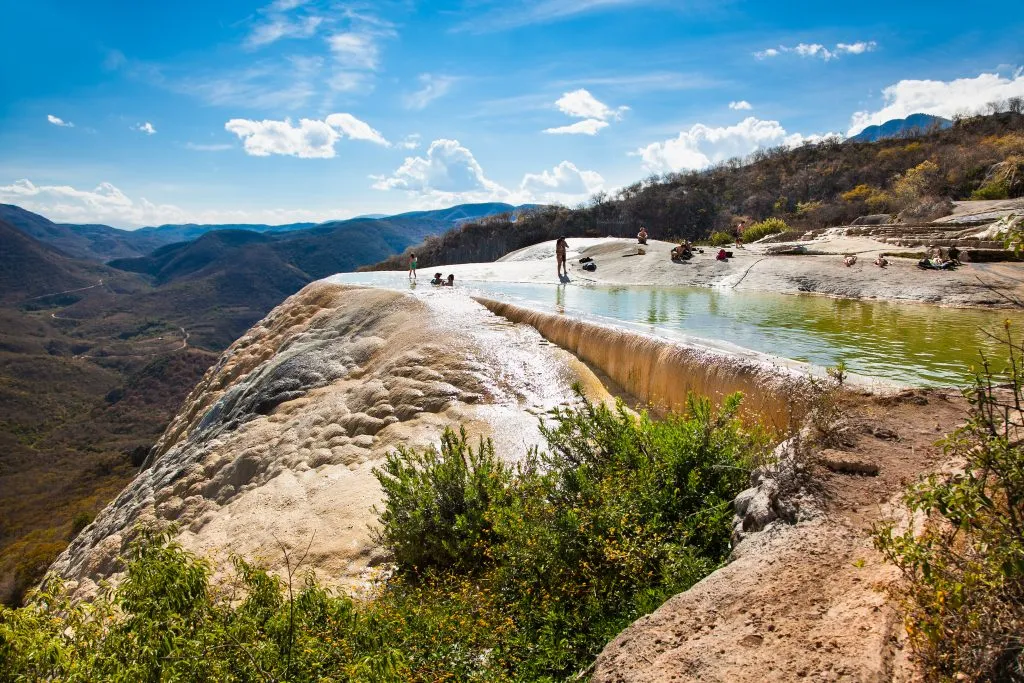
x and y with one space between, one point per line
79 522
963 593
535 567
438 504
997 189
768 226
720 239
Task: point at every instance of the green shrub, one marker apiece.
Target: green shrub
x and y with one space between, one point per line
963 594
438 504
997 189
533 568
80 521
720 239
768 226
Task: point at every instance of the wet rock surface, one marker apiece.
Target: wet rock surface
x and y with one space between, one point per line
277 442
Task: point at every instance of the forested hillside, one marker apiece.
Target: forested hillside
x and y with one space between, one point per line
826 184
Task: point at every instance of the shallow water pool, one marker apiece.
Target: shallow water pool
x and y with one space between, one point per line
907 343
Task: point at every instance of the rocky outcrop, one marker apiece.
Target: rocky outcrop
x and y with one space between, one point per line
276 444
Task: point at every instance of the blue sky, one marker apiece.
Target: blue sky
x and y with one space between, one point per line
132 113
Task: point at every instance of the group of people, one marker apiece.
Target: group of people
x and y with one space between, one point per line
684 252
439 279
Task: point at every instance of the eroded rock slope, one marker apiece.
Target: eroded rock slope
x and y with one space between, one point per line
276 444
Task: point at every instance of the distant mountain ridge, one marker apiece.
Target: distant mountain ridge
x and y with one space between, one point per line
104 243
915 124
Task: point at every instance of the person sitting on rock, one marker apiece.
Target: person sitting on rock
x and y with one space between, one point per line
438 279
881 261
641 236
849 260
683 252
954 255
721 256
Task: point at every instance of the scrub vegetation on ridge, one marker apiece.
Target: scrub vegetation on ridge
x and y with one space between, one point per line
501 572
813 186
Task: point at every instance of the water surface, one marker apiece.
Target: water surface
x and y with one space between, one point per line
902 342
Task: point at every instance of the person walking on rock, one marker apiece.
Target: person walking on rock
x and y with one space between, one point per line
560 249
412 266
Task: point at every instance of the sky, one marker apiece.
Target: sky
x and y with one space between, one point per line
140 113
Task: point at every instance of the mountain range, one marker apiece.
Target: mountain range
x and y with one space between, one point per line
915 124
104 243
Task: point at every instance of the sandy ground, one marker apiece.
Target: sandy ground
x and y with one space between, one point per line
807 601
619 262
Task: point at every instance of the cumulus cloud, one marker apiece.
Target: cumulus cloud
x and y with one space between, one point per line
582 105
702 145
447 169
741 104
448 173
584 127
433 87
940 98
146 128
564 184
108 204
57 121
310 139
818 50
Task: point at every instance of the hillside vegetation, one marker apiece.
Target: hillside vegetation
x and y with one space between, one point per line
502 573
812 186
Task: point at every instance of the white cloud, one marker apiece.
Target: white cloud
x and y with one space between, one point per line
817 50
584 127
146 128
311 139
434 86
109 205
741 104
814 50
411 141
564 184
581 104
703 145
355 50
447 168
355 129
262 85
448 173
348 81
940 98
280 27
57 121
217 147
277 23
856 48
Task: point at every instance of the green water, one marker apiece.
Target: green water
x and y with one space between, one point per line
912 344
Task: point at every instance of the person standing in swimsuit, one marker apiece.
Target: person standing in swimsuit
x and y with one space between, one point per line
412 266
560 249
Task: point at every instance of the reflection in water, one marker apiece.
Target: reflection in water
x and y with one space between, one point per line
909 343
